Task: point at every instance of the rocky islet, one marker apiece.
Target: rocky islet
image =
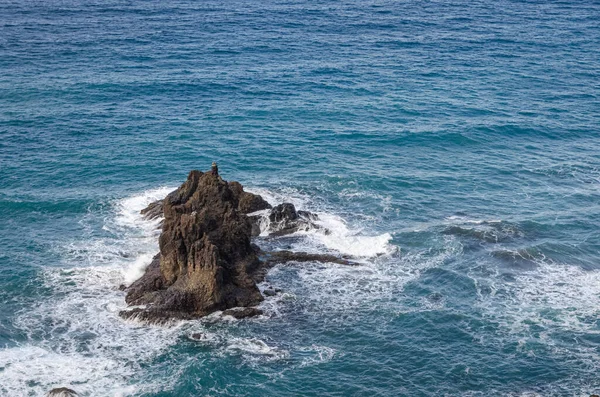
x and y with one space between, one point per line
207 261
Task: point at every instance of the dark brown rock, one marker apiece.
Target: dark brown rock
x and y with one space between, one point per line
248 202
285 212
153 210
205 256
270 259
291 256
144 289
284 220
243 312
62 392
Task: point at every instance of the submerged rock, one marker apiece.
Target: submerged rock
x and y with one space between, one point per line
275 257
240 313
62 392
198 336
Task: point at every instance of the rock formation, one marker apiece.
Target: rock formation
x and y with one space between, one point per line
207 261
284 219
206 258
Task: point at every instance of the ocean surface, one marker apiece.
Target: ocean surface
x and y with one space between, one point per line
452 147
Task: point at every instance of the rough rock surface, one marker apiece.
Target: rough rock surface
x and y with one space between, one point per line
206 258
272 258
247 203
207 261
154 210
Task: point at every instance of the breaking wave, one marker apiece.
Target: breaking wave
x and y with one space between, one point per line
333 232
75 337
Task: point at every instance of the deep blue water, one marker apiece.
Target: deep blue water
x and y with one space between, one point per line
452 146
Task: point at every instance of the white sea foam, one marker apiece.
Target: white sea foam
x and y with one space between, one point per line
336 289
318 355
79 340
76 339
548 294
38 370
136 269
536 304
336 235
463 219
339 290
385 201
558 295
128 209
253 348
333 234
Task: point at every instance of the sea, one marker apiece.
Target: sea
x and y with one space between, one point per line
450 147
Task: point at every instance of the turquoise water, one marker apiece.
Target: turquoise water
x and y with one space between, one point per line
452 147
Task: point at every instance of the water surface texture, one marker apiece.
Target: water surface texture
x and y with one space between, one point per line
451 146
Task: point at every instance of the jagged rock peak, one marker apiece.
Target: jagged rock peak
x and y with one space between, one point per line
246 201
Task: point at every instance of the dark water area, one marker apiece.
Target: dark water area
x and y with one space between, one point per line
451 147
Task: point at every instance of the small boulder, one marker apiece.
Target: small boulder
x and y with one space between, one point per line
285 212
269 292
62 392
153 210
286 220
198 336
